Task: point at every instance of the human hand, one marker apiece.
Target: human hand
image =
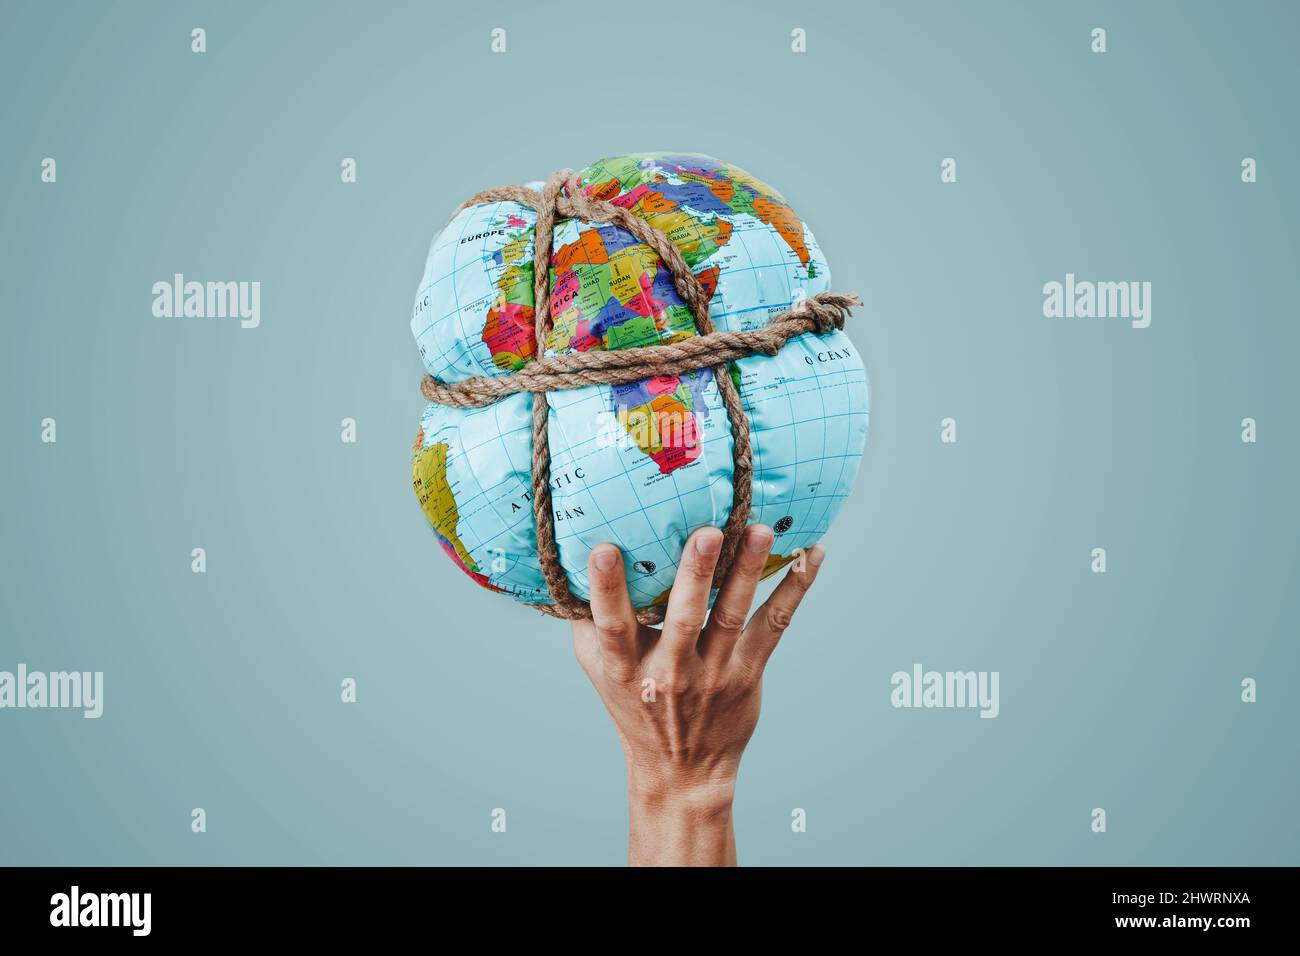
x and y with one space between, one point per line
685 700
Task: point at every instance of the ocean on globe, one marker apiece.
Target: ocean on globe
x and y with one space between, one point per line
640 465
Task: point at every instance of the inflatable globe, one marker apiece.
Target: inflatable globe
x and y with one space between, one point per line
642 464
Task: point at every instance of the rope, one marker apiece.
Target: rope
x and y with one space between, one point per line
562 197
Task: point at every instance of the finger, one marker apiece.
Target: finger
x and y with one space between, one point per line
585 646
769 622
688 601
611 611
727 619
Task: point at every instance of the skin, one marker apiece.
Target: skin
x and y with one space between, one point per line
683 734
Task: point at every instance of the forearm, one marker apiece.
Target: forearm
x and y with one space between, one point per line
668 828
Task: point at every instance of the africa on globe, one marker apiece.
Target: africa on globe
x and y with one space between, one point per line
693 372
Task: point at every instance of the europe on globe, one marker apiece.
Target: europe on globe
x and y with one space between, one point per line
638 463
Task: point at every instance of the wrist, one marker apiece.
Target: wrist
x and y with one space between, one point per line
699 793
680 822
698 798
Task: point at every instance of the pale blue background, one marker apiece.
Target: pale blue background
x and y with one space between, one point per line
1120 691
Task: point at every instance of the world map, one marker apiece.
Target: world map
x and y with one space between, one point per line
644 464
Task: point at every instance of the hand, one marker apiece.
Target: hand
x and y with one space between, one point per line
685 700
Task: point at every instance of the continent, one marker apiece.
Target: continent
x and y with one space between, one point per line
429 476
661 416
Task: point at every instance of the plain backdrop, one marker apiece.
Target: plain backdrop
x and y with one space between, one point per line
1119 691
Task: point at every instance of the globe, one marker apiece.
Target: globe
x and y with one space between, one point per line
638 465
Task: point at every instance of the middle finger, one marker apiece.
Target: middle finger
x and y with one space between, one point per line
688 601
732 606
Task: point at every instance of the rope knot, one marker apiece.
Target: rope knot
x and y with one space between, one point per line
827 312
828 320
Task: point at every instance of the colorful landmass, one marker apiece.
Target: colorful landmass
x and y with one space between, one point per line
610 291
660 414
429 476
708 186
508 329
